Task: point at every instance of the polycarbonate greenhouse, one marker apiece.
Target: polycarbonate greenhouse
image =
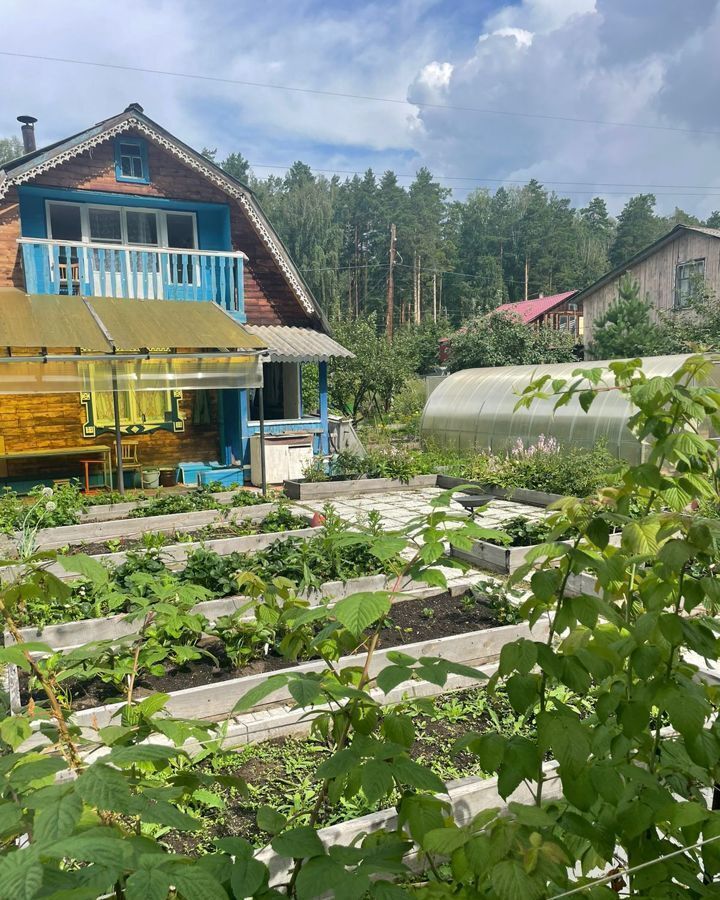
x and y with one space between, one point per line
474 409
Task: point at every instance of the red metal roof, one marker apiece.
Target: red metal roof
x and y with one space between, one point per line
530 310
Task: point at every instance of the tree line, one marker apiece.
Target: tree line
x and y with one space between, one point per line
454 259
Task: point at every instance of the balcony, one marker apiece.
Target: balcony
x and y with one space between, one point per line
135 272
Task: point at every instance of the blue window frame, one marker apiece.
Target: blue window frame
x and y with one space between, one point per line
131 162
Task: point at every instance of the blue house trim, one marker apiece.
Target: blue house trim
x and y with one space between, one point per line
213 219
141 147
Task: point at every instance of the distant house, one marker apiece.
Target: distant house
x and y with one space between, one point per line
561 312
558 311
667 271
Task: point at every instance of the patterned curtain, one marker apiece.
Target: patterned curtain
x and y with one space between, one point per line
103 407
152 405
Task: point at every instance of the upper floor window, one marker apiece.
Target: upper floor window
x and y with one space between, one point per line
688 281
131 162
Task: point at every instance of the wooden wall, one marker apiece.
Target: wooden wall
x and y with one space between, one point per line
268 298
52 421
656 276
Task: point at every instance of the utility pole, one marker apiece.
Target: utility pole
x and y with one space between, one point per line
435 297
391 286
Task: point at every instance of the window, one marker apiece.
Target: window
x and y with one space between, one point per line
131 161
140 412
105 225
121 225
688 276
141 227
145 408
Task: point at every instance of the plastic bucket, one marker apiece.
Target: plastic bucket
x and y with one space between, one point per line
151 478
168 478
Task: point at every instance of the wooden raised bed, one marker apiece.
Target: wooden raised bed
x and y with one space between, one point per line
506 560
215 702
516 495
175 555
68 635
64 535
468 797
326 490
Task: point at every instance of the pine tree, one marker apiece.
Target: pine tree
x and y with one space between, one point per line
637 227
625 330
237 166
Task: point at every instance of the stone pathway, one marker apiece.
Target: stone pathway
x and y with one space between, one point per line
399 508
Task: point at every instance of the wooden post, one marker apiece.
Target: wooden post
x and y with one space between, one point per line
527 270
118 433
391 286
323 395
261 417
435 297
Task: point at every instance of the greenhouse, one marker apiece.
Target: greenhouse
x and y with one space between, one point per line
475 409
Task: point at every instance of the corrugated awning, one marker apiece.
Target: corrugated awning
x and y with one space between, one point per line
287 343
100 344
170 324
53 321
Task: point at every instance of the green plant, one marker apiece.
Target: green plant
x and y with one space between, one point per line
164 504
523 532
316 471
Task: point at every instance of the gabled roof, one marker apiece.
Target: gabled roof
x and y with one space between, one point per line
668 238
27 167
530 310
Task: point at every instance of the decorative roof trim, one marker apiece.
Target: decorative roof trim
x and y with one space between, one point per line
228 185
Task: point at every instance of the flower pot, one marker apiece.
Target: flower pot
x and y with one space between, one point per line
168 478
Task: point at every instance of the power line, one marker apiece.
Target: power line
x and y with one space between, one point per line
543 181
345 95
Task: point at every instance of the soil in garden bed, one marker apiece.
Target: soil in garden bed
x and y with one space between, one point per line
408 622
281 772
205 533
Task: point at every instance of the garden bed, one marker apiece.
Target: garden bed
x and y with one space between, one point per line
322 490
292 763
174 555
118 527
516 495
410 621
71 634
216 701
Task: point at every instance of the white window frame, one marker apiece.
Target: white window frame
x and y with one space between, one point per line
682 300
160 215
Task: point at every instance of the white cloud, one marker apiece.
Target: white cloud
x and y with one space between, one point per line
523 37
538 16
607 60
573 68
436 75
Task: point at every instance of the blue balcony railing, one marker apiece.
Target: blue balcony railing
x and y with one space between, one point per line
137 272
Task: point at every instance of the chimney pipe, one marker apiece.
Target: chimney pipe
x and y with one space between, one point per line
28 132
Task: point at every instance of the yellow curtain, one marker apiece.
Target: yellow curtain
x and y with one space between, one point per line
103 407
152 405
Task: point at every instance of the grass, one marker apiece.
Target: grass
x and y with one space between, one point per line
281 773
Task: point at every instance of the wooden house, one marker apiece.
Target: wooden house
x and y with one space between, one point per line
126 210
667 272
561 312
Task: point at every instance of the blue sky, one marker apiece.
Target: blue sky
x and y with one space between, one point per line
609 60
